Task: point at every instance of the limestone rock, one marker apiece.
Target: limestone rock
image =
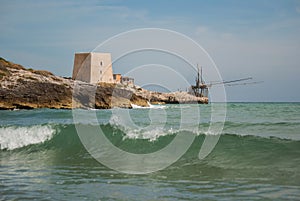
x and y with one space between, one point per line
22 88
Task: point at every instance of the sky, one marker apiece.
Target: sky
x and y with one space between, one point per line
257 38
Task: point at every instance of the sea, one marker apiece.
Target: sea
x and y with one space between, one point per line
256 156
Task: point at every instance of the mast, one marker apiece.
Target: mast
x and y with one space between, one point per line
201 82
198 79
201 75
200 88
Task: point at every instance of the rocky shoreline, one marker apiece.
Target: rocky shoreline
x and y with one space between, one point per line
22 88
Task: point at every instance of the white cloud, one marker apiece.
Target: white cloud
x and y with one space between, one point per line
201 30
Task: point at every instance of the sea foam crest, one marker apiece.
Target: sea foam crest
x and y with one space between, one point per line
133 131
151 135
14 137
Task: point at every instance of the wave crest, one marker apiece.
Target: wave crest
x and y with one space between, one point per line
13 137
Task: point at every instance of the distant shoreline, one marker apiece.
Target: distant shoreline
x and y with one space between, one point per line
22 88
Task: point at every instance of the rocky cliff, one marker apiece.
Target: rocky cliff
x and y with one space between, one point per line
22 88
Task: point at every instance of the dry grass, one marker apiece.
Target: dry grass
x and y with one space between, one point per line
9 64
3 70
40 72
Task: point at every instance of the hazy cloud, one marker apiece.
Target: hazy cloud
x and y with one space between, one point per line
201 29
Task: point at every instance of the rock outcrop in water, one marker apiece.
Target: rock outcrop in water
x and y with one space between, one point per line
22 88
171 98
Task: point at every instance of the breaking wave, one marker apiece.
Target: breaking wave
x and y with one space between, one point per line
13 137
62 135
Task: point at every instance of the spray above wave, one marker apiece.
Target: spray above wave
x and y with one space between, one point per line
134 131
59 135
13 137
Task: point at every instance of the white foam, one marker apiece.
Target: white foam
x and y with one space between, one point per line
147 134
150 106
14 137
134 131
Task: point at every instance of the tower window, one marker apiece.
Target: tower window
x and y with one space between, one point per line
101 63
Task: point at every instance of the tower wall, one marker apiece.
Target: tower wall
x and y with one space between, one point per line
101 68
93 67
81 68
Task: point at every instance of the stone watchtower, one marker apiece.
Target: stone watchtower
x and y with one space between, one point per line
93 67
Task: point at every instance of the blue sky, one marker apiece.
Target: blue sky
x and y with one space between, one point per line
258 38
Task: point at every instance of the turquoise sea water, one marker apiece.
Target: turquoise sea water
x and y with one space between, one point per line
257 156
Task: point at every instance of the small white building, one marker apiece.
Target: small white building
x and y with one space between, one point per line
93 67
127 81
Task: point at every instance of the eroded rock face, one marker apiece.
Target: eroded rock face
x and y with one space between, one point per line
104 96
22 88
29 95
